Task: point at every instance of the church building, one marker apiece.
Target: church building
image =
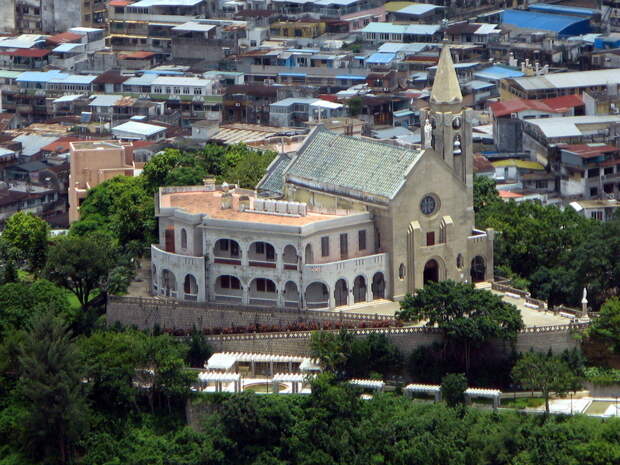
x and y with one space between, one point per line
345 221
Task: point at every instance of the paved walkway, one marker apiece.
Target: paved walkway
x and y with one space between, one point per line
530 317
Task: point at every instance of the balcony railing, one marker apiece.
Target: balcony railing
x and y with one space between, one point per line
227 261
262 264
367 265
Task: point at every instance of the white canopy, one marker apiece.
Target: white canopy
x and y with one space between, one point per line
226 360
429 388
477 392
368 383
207 376
289 378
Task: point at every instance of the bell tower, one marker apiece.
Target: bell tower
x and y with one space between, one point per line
446 124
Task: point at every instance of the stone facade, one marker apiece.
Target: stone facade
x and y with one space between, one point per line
358 220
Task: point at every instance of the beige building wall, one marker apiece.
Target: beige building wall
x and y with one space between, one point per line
91 164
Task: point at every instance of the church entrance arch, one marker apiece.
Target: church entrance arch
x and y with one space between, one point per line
378 286
431 271
341 293
478 269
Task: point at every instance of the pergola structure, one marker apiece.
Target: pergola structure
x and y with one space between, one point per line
375 385
207 377
430 389
435 390
494 394
266 364
297 381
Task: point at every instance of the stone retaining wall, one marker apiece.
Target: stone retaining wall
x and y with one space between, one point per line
541 339
145 313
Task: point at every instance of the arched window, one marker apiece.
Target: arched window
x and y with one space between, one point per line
183 238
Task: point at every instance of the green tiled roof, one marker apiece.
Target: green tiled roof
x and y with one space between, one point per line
272 183
356 167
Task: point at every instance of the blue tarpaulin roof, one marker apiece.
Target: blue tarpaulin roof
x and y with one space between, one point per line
350 76
381 58
292 74
560 24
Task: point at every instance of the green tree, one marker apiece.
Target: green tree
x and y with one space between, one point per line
28 234
545 372
199 350
607 326
354 105
156 170
52 390
20 302
81 264
373 354
466 315
453 387
111 360
485 193
332 349
121 207
162 367
246 167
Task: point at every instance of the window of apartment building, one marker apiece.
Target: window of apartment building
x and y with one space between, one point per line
593 191
197 91
186 90
361 239
430 238
177 90
260 248
344 245
593 172
325 246
265 285
542 184
609 170
597 215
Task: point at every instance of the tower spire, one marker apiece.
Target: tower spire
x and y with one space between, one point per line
446 93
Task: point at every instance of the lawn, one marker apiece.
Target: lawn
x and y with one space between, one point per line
523 402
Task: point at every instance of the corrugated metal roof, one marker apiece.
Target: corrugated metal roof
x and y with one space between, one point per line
385 28
418 9
569 126
422 29
380 58
64 48
545 22
149 3
599 77
327 158
562 9
135 127
498 72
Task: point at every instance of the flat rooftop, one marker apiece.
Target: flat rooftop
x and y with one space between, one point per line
210 203
95 145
